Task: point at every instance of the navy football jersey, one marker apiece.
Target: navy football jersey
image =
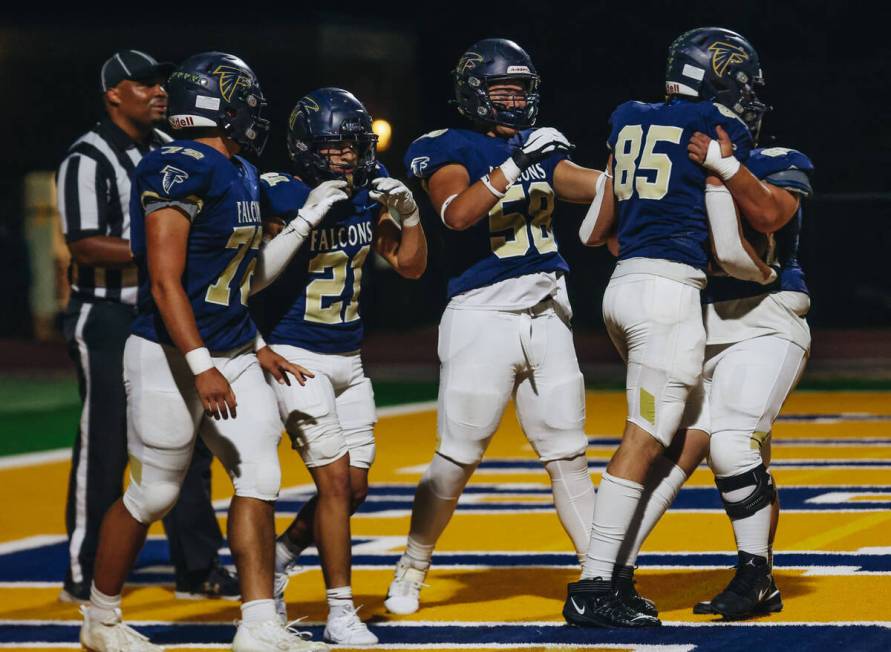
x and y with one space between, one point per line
789 169
517 237
660 192
221 196
315 303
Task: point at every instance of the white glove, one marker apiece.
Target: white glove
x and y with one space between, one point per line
723 166
539 145
398 200
319 202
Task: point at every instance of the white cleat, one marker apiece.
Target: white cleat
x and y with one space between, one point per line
345 628
273 636
403 596
113 637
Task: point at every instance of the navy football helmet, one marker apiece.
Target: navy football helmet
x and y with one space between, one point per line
215 89
489 62
322 118
715 64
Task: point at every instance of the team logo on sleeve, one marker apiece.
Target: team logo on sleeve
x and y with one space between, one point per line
170 176
724 55
230 78
419 164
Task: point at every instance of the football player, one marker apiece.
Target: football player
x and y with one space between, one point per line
506 329
190 365
666 211
312 316
757 344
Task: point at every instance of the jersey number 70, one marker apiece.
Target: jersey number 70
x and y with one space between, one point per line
629 161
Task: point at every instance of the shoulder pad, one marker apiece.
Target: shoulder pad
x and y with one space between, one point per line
434 150
783 167
728 113
281 195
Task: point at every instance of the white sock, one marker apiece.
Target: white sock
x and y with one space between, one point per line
617 501
435 500
284 556
104 608
751 533
256 611
573 499
417 555
339 598
658 495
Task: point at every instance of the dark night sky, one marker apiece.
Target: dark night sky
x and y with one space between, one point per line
827 67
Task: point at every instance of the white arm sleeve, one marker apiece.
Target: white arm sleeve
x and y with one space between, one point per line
278 252
590 221
729 250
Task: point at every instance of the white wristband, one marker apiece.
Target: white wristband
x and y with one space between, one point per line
488 183
724 167
445 205
259 343
510 170
413 219
199 360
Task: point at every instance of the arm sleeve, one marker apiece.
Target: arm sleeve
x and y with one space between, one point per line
81 197
724 227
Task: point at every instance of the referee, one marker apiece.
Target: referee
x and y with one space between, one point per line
94 196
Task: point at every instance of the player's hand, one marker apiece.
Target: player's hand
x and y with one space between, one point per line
278 367
395 196
539 145
321 199
216 395
701 150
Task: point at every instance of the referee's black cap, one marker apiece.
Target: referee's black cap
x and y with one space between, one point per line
131 64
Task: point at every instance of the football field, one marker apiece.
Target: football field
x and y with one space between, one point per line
500 571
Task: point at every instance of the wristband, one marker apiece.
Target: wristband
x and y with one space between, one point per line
259 343
413 219
724 167
510 170
488 183
199 360
445 205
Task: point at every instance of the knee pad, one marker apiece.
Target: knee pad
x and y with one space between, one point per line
554 419
361 454
467 420
733 452
763 492
150 502
318 440
446 478
261 480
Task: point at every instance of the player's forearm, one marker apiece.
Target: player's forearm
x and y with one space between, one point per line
471 205
762 206
102 251
575 184
176 312
600 220
411 256
733 252
278 253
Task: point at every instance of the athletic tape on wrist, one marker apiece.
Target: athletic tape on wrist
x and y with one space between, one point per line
724 167
413 219
259 343
199 360
510 170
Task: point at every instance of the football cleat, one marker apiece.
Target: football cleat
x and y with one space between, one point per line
75 592
752 591
623 582
273 636
345 628
403 596
218 582
113 636
594 603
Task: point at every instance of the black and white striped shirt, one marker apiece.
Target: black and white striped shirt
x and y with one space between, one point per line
93 188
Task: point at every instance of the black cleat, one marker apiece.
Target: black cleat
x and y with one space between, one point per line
772 604
75 592
594 603
751 592
216 583
623 582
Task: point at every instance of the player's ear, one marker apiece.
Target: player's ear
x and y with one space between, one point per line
113 96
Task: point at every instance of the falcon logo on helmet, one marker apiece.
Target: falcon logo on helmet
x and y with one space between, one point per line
724 55
230 78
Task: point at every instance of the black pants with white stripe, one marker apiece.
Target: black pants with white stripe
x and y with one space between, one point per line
96 332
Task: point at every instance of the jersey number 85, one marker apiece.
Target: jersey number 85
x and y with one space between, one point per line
629 161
